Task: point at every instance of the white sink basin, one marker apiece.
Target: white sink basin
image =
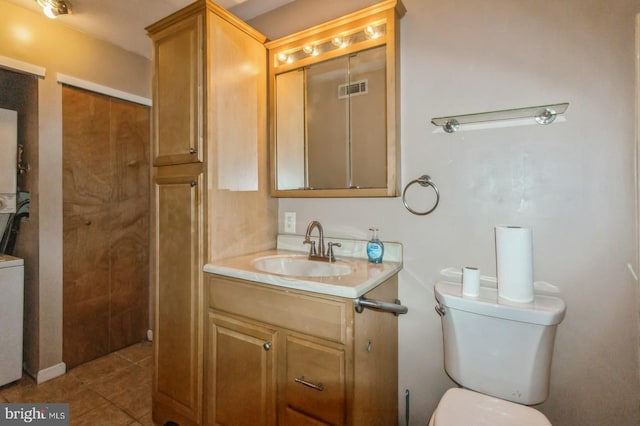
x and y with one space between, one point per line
300 266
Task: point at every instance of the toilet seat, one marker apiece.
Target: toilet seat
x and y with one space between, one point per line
462 407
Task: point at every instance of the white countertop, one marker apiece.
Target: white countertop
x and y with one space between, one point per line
365 276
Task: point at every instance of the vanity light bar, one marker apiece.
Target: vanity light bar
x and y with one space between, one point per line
340 41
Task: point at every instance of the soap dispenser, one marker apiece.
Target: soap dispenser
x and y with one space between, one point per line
375 248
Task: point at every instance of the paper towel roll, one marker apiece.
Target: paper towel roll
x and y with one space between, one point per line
470 281
514 263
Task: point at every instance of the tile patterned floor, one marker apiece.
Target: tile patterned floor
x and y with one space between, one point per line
113 390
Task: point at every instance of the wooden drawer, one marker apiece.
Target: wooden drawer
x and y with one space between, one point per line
295 418
315 381
312 315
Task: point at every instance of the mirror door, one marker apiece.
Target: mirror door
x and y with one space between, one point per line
331 123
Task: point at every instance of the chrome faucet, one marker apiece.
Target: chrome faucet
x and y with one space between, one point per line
307 239
319 253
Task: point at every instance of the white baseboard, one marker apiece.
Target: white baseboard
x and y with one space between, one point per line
51 372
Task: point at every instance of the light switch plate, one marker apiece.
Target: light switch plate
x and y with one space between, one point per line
290 222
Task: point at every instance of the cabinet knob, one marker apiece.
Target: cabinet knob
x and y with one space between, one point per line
193 183
193 151
267 346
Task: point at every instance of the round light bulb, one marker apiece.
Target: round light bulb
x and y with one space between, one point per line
49 12
308 49
337 41
370 32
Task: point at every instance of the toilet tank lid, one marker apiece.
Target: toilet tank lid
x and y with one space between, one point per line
544 310
465 407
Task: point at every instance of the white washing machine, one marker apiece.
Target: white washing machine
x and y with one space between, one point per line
11 308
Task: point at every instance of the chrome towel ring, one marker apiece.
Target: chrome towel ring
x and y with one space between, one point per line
424 180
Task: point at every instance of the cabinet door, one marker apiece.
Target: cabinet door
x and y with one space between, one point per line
178 245
177 93
241 373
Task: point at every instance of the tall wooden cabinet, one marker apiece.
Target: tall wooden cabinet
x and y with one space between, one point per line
210 198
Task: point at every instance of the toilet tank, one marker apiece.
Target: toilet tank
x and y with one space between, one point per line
499 348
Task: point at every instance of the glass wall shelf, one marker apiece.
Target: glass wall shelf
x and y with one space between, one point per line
543 114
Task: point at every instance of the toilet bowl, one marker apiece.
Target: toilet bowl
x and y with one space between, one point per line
499 352
462 407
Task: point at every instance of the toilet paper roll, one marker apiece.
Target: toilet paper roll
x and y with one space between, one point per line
470 281
514 263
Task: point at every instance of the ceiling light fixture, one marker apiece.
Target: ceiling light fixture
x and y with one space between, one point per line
53 8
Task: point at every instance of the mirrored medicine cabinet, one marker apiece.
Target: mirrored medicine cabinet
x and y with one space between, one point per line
334 111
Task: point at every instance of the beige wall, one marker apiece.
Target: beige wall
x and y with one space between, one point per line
573 181
30 37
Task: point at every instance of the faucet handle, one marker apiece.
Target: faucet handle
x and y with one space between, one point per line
312 249
330 255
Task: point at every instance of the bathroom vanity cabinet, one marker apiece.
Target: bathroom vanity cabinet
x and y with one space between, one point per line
210 181
291 357
219 355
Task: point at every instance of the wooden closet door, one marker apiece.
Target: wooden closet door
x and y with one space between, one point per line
105 224
88 176
129 239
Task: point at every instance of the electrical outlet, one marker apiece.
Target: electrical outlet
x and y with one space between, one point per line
290 222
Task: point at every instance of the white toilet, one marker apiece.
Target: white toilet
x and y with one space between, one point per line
499 352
